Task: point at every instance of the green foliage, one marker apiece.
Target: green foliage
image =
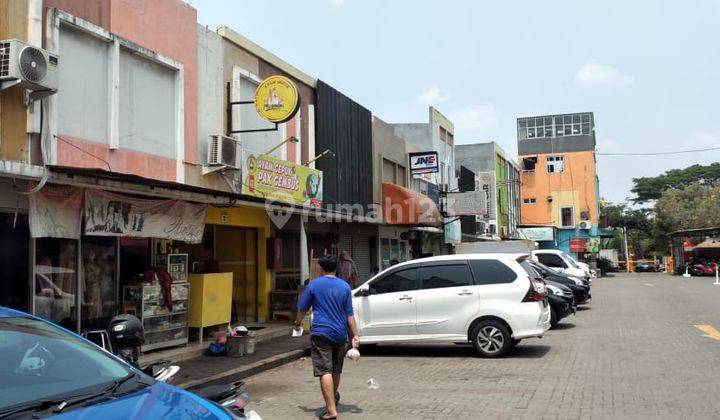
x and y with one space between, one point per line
645 240
652 188
695 206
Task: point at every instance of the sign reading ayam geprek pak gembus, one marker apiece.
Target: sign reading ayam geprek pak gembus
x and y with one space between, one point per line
275 179
277 99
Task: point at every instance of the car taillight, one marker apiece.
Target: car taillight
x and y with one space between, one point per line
536 292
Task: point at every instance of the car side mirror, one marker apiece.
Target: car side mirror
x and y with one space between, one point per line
364 290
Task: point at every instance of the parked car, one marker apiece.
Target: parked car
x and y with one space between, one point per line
561 262
646 267
562 302
489 300
702 268
578 285
47 370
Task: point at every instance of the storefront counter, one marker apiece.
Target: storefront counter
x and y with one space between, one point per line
210 300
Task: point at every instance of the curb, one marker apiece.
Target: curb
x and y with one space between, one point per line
247 370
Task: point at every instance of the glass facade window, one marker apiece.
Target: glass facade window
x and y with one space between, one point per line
56 283
554 126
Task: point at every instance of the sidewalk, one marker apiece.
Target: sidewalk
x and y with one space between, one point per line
204 370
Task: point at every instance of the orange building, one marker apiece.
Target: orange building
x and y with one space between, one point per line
558 180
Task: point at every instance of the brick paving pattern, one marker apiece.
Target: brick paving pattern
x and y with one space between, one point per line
633 353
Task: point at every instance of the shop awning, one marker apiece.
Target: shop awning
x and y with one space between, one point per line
402 206
708 244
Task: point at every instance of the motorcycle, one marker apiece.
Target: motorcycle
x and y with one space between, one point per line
228 396
123 338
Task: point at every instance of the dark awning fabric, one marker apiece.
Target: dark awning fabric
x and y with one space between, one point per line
402 206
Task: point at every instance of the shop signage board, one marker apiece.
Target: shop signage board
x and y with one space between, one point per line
424 163
577 245
56 212
469 203
108 214
538 233
275 179
486 183
453 234
592 244
277 99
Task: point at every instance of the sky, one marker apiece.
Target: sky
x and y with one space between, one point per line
648 69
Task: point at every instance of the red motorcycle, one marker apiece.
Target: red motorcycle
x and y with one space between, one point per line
703 268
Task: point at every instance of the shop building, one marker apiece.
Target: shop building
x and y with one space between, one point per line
436 135
498 174
559 184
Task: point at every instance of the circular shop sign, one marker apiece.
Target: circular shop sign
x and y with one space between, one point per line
277 99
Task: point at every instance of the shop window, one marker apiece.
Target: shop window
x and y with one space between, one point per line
566 217
99 281
555 164
56 281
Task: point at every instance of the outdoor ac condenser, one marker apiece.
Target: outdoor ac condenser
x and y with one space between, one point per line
222 151
29 67
585 225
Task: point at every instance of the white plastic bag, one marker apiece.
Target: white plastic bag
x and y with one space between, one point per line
353 354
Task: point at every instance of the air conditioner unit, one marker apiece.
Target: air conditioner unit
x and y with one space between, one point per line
585 224
222 151
29 67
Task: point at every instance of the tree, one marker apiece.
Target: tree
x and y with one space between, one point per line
651 188
693 207
644 238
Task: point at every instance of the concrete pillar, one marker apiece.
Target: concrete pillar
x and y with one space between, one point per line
304 261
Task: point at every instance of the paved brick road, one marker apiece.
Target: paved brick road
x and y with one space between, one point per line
634 353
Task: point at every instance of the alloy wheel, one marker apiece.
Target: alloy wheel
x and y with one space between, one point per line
490 339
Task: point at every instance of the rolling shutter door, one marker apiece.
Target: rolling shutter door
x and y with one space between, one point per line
361 256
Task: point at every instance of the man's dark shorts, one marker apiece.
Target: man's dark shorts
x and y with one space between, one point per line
327 356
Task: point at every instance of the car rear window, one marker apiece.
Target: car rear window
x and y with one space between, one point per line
491 272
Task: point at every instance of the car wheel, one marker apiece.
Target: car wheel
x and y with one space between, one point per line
491 338
553 317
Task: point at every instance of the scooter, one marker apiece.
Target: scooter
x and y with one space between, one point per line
123 338
228 396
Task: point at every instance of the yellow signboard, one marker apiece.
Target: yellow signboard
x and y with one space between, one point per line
279 180
277 99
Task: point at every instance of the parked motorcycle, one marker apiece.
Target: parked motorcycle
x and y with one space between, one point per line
228 396
123 338
700 268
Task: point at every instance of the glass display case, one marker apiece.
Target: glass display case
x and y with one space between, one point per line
163 327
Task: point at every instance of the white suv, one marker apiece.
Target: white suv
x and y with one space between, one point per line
489 300
562 262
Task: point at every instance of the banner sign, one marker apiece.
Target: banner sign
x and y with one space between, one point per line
537 233
277 99
424 162
592 244
469 203
577 244
108 214
56 212
453 234
486 182
279 180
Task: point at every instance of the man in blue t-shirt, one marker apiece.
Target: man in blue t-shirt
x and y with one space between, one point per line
331 302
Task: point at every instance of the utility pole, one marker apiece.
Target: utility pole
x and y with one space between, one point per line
627 253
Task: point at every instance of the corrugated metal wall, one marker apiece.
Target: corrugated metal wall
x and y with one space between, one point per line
345 127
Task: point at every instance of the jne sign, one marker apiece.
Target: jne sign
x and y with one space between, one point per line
423 162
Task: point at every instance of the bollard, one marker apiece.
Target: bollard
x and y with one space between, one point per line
686 271
717 276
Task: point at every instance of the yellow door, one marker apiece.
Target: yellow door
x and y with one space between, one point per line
236 250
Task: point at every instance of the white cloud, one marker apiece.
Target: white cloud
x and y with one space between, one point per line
594 74
609 145
702 140
473 117
337 3
432 96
